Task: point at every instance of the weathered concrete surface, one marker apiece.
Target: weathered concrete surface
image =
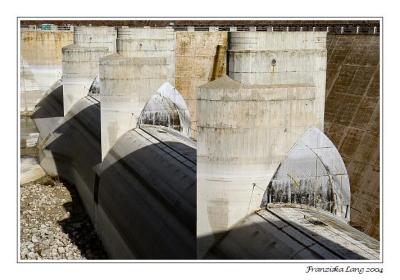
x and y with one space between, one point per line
81 61
126 85
267 58
352 121
281 233
96 37
30 170
149 42
147 196
200 58
244 132
146 182
80 68
40 62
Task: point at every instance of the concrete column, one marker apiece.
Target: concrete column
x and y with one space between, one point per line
126 84
244 132
81 61
267 58
145 60
149 42
99 36
79 67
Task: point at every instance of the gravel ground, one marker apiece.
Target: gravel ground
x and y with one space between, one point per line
54 224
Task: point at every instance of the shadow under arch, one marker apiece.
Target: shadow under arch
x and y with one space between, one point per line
142 197
155 182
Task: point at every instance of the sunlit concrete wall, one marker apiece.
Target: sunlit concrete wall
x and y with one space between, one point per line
81 61
145 60
268 58
200 58
244 132
352 120
40 62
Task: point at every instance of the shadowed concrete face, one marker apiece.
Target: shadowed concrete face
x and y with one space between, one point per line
295 232
142 197
151 175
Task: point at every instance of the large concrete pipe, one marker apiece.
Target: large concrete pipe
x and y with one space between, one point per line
80 61
146 196
268 58
142 197
303 233
244 132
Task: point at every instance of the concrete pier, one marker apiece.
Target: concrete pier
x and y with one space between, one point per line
80 61
244 132
267 58
126 84
145 60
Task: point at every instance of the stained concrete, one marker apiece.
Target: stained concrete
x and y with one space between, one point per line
40 62
352 121
126 85
200 58
266 58
132 188
283 233
81 61
244 133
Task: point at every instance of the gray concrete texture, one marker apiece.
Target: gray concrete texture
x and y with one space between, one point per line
81 61
280 58
244 133
294 233
126 85
144 62
40 64
200 58
135 213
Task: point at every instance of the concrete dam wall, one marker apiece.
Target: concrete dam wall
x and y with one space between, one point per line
41 60
352 120
152 125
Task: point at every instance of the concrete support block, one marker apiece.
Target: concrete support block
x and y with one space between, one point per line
244 132
96 36
81 60
126 84
79 68
149 42
267 58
